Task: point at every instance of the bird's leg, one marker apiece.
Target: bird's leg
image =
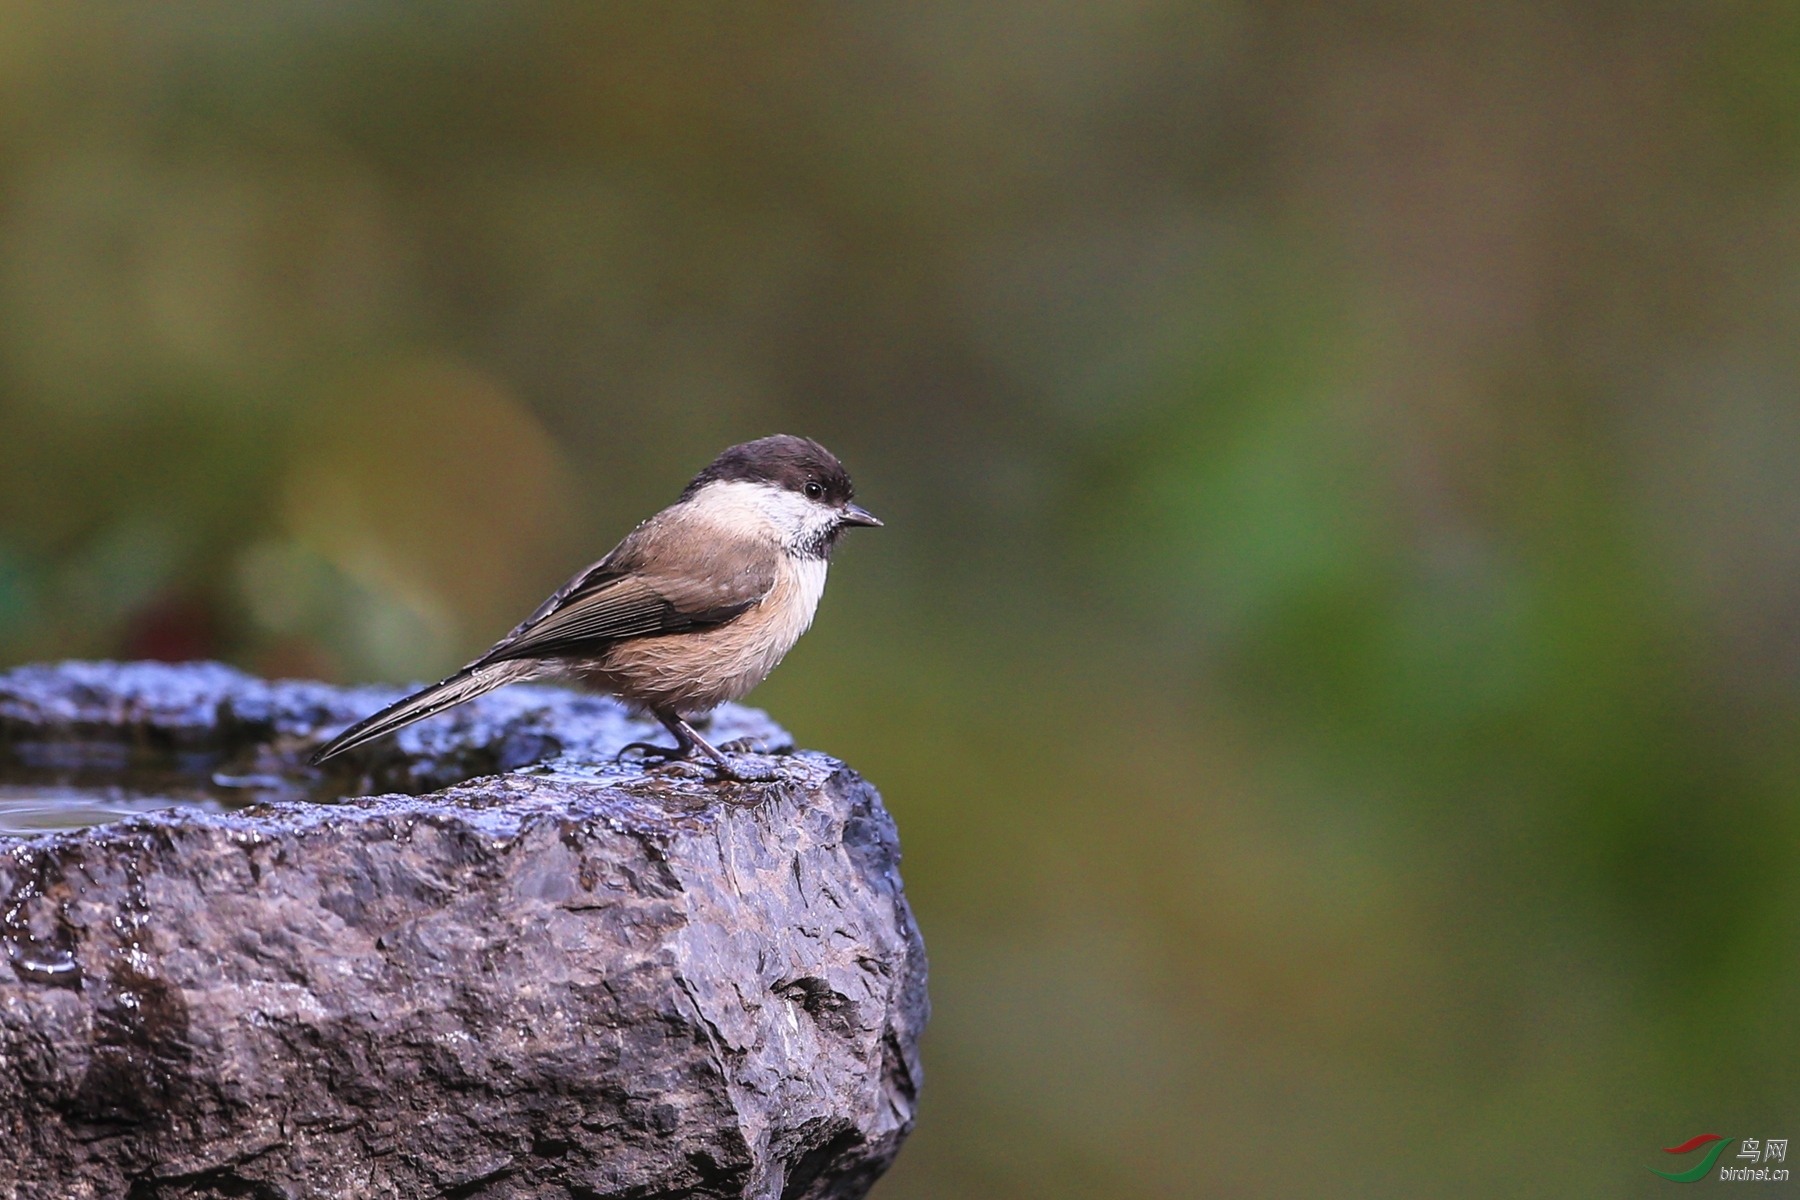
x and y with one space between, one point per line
684 741
691 736
756 774
689 740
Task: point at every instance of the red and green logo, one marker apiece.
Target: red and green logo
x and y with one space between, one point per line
1718 1143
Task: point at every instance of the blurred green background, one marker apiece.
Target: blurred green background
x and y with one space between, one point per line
1335 652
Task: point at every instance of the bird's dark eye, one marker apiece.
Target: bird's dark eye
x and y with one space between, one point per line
814 489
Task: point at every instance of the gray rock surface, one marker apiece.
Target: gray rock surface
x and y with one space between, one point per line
549 976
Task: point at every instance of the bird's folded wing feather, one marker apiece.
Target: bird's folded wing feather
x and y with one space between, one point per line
644 588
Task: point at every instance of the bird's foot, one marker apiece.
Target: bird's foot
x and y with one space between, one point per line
738 761
652 750
747 770
750 745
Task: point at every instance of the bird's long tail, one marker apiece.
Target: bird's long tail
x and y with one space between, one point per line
466 684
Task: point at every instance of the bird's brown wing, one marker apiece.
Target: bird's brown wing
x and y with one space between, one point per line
657 581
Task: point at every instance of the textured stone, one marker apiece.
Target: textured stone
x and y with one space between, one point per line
564 978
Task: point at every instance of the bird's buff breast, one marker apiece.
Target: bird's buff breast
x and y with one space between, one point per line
694 672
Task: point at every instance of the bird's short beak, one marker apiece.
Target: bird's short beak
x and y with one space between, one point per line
855 514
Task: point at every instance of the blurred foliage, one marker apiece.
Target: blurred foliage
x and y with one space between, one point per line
1332 656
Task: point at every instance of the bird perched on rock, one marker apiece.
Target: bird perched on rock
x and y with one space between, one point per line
695 607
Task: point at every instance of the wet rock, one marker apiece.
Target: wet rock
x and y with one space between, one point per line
562 978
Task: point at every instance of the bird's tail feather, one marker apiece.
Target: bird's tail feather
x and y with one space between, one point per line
466 684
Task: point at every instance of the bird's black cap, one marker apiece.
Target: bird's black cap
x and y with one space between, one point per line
785 461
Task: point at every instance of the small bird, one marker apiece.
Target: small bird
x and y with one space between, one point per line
693 608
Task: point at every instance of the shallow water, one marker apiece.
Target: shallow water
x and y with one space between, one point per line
33 802
37 808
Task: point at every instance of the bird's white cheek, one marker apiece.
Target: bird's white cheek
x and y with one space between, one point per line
764 512
804 523
753 510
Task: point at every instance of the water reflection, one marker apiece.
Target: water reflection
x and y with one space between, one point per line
33 802
27 808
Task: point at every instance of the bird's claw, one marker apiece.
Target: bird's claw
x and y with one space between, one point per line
747 772
671 757
651 750
756 745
